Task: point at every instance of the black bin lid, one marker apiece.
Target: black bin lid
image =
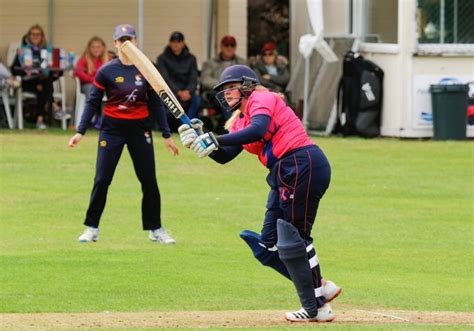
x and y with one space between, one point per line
449 88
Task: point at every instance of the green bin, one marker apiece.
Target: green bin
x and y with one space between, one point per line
449 105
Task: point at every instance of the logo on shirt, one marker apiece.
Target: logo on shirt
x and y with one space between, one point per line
130 98
138 80
119 79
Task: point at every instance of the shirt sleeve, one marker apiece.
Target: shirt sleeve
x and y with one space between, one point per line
255 131
193 77
261 103
163 69
16 68
93 102
81 72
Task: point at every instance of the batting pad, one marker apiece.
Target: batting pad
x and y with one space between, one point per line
267 256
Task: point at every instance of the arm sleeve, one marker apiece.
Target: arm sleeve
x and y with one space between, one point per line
282 78
255 131
163 69
93 106
226 154
193 77
155 105
16 67
81 72
207 81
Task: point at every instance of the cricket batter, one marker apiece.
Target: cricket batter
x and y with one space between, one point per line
126 121
263 125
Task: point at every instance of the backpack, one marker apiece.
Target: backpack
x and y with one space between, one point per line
359 97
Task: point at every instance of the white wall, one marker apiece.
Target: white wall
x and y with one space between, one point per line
401 66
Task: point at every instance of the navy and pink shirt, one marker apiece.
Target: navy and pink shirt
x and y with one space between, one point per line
129 96
267 128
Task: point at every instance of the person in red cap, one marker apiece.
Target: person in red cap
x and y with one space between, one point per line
211 71
272 69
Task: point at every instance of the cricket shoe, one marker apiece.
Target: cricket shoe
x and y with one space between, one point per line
324 315
161 236
331 291
90 234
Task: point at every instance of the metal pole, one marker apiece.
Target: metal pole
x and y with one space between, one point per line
455 22
211 29
306 92
441 22
51 21
140 24
306 80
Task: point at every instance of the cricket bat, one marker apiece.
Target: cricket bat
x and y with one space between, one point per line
154 78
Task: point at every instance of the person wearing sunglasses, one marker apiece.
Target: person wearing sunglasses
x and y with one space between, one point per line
272 69
33 78
211 71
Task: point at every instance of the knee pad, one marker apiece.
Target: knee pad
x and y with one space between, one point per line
290 244
266 256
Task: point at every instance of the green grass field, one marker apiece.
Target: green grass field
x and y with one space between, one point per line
395 229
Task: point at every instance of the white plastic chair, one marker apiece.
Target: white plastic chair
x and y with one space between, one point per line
59 93
6 102
80 102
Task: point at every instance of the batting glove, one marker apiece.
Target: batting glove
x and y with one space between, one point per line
205 144
187 135
197 125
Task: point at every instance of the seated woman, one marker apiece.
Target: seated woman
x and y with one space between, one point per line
34 79
93 57
272 69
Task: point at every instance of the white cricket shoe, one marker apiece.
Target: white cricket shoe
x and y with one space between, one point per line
161 236
90 234
331 291
324 315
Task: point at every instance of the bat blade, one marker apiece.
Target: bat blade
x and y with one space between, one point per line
154 78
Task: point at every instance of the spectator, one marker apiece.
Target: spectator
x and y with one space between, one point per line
35 80
179 69
93 57
272 69
211 71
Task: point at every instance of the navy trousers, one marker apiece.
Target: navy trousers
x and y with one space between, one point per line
137 136
298 181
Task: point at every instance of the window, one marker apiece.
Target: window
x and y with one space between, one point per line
380 21
445 21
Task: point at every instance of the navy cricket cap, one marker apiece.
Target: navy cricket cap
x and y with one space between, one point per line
124 30
177 36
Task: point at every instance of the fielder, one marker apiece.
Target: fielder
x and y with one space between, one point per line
126 121
299 176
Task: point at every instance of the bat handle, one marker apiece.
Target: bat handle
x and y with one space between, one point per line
185 120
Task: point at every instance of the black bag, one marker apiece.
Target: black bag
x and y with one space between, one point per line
359 97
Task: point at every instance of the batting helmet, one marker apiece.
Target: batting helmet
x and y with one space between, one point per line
237 73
